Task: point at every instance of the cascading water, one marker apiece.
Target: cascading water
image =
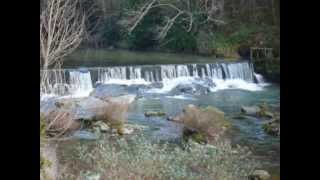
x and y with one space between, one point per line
222 75
80 83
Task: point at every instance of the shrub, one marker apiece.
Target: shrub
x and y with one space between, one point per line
144 35
59 122
208 122
204 43
111 31
179 40
139 158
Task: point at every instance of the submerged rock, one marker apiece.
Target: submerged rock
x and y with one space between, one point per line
151 113
258 111
260 175
250 110
196 89
101 126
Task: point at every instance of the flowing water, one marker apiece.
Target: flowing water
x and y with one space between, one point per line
169 88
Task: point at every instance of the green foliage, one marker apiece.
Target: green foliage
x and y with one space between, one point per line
204 43
43 127
44 163
179 40
111 31
269 68
143 36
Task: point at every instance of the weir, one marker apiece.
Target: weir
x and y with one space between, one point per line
81 81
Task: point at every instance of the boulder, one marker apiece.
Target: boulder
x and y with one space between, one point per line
272 127
82 108
260 175
209 122
101 126
250 110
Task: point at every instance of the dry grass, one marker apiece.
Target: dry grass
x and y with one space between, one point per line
60 122
114 114
209 121
138 158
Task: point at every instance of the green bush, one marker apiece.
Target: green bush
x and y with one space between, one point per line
179 40
144 35
204 43
111 31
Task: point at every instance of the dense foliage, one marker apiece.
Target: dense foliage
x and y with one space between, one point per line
245 24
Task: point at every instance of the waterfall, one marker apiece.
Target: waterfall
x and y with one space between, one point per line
66 82
259 78
79 82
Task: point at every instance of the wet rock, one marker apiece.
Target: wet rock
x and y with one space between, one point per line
261 111
272 127
127 131
151 113
200 124
82 109
101 126
260 175
196 89
250 110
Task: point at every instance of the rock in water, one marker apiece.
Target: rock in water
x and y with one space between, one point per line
272 127
209 123
103 127
250 110
148 114
260 175
127 131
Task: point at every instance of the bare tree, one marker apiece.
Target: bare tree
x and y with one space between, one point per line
211 9
62 26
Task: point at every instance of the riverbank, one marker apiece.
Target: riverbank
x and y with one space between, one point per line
116 57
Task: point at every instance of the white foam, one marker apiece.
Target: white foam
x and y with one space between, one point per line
180 97
220 84
126 82
169 84
235 84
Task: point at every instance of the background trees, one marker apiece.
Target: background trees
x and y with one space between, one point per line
207 27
